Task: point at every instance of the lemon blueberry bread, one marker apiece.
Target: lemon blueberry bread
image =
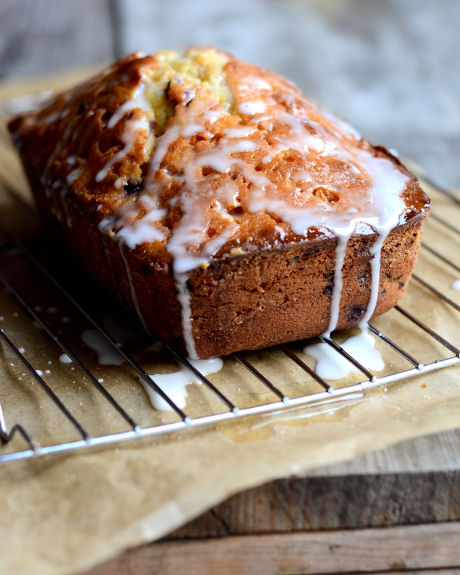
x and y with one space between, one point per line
219 204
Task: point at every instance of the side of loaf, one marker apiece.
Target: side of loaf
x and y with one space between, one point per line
219 204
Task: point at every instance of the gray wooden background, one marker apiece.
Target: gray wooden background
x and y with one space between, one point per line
391 67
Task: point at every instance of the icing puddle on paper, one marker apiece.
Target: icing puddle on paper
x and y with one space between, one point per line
106 355
175 384
330 364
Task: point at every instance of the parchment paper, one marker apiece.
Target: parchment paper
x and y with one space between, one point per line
66 513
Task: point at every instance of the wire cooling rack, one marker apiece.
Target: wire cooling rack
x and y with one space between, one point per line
17 253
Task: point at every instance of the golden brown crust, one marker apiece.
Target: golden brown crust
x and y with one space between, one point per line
266 284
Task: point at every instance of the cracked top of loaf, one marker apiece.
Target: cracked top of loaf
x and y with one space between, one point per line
191 157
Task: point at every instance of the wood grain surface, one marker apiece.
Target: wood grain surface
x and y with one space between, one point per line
366 550
396 510
325 503
371 523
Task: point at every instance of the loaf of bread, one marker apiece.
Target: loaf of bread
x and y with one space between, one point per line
219 204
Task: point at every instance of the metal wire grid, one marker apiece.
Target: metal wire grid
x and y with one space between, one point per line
230 411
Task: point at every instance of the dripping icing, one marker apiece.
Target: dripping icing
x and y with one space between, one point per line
342 241
132 127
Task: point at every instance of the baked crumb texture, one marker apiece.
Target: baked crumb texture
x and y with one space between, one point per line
219 204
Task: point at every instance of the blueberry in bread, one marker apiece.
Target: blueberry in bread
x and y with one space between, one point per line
221 205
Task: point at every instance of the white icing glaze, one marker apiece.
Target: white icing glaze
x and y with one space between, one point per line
456 285
376 256
330 364
255 83
122 334
183 295
252 107
129 138
337 289
174 384
143 230
132 128
64 358
105 352
240 132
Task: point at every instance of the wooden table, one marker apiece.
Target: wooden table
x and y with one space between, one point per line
396 510
373 523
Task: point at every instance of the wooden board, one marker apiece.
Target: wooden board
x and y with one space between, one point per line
396 510
399 549
372 523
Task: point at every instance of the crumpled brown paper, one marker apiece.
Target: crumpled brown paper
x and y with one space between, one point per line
66 513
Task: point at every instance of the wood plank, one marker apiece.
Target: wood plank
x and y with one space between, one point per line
421 572
44 36
435 452
350 551
358 501
296 505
